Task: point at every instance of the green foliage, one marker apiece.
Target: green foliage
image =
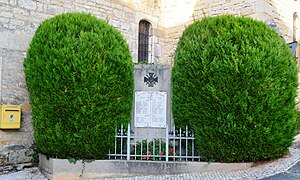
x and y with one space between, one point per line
234 82
80 77
298 120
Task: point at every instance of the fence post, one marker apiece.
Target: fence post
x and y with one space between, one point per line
128 142
167 143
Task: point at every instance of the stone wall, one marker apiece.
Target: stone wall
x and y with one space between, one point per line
197 9
18 21
20 18
279 11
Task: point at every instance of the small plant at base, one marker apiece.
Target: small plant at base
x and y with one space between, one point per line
152 150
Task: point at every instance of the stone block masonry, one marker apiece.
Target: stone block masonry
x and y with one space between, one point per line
62 169
18 21
20 18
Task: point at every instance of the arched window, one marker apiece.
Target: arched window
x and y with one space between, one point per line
144 42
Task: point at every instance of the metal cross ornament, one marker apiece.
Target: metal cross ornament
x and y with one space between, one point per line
151 79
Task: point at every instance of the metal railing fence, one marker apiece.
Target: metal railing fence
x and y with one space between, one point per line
156 144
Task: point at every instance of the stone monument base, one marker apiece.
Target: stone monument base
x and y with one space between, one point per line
62 169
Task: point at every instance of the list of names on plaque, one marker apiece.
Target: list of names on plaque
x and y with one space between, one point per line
150 109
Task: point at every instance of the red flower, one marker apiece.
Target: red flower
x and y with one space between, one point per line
148 152
144 158
161 153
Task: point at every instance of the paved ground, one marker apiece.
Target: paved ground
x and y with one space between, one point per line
292 174
26 174
286 168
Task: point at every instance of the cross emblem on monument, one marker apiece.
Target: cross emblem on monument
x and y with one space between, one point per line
151 79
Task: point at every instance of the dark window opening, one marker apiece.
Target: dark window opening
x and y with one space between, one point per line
144 33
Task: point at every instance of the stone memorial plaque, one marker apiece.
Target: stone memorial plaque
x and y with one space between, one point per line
150 109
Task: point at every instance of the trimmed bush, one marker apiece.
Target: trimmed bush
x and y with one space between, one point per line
298 121
80 77
234 82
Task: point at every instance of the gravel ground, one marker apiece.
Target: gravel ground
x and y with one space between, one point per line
283 168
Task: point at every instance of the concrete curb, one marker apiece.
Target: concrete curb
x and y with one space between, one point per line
258 172
62 169
207 171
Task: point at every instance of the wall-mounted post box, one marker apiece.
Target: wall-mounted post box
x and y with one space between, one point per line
10 116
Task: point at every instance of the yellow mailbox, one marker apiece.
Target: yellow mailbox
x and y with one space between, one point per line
10 117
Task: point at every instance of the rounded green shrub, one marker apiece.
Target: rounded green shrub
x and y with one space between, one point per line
79 75
234 82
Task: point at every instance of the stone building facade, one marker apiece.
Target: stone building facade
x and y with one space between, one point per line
166 19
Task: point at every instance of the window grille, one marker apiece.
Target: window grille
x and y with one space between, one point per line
143 46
